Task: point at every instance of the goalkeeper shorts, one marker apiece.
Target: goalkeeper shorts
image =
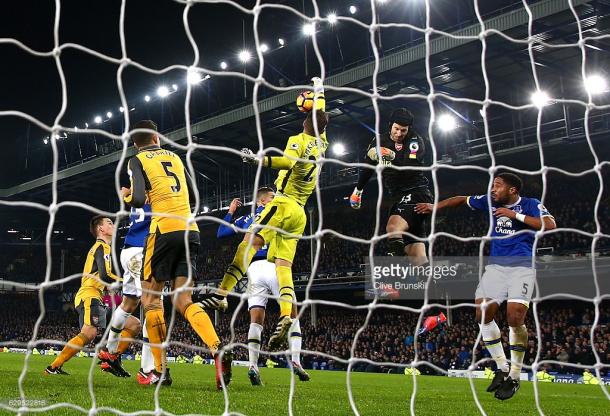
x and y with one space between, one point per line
404 206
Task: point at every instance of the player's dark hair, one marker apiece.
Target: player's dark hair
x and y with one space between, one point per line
512 180
321 117
96 222
144 138
401 116
262 191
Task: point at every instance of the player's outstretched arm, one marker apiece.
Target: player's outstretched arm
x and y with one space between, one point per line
294 150
273 162
455 201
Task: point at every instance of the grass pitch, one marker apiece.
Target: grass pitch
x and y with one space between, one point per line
194 391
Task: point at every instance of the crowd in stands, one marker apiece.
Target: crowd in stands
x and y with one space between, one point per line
388 338
570 200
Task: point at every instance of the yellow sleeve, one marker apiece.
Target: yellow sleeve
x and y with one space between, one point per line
294 149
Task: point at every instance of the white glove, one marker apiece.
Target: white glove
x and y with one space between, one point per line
248 156
317 85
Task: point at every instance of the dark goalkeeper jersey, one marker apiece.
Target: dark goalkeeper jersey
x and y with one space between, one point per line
410 152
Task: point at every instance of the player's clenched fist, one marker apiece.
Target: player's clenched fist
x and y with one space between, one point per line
355 200
236 203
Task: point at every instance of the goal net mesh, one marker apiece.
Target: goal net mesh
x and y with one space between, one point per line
433 42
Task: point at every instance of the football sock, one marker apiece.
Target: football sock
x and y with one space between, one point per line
235 271
124 343
254 343
493 342
201 323
296 341
148 362
116 326
70 349
284 278
155 326
517 338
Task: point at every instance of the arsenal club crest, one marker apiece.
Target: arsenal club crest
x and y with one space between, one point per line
398 146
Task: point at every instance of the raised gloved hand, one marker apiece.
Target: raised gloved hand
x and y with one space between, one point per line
248 156
355 200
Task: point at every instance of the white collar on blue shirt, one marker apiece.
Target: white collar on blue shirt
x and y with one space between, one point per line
512 205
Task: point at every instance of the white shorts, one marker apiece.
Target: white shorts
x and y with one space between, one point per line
131 261
500 283
262 283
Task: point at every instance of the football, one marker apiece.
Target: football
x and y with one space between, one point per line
305 101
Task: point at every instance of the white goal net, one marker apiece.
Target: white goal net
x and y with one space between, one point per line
444 108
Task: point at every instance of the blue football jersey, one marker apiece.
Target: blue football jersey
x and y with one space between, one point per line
520 245
242 222
139 224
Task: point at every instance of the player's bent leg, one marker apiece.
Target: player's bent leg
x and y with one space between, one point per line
195 315
111 358
243 256
395 227
201 323
72 347
117 323
417 253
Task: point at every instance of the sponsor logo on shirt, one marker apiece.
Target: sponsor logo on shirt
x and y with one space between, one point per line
504 225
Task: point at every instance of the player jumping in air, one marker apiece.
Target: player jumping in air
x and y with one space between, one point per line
159 176
295 183
401 146
262 283
97 273
509 276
